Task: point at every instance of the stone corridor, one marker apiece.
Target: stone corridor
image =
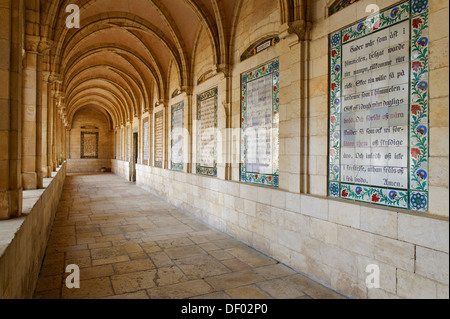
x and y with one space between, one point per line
130 244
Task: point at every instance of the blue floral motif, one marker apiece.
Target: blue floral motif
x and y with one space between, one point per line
419 201
336 169
422 85
276 64
422 130
336 135
360 27
337 101
422 174
335 40
423 41
393 195
358 190
419 5
275 181
334 189
394 12
337 68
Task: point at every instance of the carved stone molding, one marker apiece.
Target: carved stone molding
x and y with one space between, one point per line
32 43
300 28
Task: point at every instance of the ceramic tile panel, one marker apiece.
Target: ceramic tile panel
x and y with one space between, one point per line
379 108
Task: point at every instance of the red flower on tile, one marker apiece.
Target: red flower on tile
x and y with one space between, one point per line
256 176
416 22
415 152
344 193
415 109
264 68
375 198
346 37
275 88
333 119
333 53
333 86
376 25
332 152
416 66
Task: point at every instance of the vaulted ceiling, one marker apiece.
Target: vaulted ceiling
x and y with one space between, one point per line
121 57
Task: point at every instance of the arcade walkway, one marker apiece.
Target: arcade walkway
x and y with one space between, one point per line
130 244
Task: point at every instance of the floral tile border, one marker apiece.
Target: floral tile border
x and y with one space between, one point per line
211 93
416 196
271 68
159 162
177 108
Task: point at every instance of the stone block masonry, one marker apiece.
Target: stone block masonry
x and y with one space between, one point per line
331 241
23 240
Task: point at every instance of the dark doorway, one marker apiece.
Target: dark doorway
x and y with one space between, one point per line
135 156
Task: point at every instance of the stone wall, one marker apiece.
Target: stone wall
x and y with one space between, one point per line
90 120
322 26
121 168
23 240
331 241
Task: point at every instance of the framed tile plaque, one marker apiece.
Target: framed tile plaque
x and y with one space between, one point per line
159 139
146 132
89 145
207 132
178 136
378 124
259 124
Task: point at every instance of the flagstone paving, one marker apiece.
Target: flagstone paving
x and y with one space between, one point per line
130 244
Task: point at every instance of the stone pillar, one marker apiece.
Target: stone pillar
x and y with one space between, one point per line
29 115
58 139
54 130
224 167
166 129
49 126
10 100
40 122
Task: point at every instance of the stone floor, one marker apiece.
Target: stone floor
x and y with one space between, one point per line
131 245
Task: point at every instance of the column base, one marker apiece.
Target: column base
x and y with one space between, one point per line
10 204
29 181
40 179
49 171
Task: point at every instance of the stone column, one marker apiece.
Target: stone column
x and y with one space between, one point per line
55 100
10 110
49 128
29 114
224 124
166 139
45 116
58 138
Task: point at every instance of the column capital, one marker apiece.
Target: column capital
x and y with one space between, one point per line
224 69
32 43
299 28
45 46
